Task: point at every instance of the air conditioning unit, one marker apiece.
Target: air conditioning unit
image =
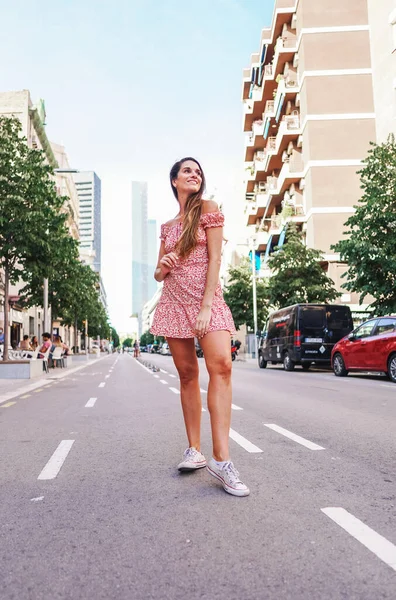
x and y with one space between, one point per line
295 60
300 141
297 101
301 185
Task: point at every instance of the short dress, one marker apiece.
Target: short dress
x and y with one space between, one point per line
177 310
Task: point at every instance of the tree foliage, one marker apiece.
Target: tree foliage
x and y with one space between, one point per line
146 338
297 275
128 342
29 208
239 296
115 338
369 247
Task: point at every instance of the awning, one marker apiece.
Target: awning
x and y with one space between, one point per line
268 249
282 237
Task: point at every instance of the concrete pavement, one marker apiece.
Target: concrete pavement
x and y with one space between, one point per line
91 504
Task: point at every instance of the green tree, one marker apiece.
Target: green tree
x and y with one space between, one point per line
114 337
239 296
369 246
128 342
146 338
29 208
297 274
60 275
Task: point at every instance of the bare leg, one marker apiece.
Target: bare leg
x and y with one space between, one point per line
185 359
217 351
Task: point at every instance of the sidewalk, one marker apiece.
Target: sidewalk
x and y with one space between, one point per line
10 388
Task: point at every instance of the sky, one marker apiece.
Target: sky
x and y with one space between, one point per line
131 86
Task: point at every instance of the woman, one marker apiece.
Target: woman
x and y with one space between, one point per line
34 343
192 305
25 343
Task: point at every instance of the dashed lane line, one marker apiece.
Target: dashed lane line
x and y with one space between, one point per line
292 436
7 404
163 381
101 385
90 403
26 396
373 541
170 375
162 371
174 390
56 461
203 409
235 407
239 439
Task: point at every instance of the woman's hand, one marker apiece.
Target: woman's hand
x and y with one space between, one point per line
168 262
203 320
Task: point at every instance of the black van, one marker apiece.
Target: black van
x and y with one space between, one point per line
303 334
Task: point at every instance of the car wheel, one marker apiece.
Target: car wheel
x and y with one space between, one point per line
339 366
392 368
262 362
288 363
306 366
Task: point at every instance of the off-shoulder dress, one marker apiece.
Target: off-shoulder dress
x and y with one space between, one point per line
184 286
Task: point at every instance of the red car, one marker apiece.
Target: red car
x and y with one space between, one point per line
370 347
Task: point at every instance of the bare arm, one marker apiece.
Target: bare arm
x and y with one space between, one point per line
214 236
165 263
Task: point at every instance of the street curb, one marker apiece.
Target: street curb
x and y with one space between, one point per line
43 382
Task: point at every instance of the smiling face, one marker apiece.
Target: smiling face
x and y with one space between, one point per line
189 178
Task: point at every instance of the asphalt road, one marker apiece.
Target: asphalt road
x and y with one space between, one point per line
92 506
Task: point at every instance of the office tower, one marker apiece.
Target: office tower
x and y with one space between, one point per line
88 187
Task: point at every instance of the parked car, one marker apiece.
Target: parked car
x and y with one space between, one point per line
165 349
143 348
303 334
370 347
198 349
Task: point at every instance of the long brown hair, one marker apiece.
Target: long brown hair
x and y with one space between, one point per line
192 210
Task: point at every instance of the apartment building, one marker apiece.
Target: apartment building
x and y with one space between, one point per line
382 22
89 191
309 118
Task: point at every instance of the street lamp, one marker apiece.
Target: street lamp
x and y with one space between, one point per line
252 247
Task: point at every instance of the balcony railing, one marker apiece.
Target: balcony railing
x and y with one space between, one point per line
291 121
271 144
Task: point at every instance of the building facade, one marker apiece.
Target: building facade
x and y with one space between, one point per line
382 22
33 119
309 118
89 190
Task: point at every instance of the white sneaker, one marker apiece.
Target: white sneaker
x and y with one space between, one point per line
192 459
229 477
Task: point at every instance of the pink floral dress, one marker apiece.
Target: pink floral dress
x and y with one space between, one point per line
177 311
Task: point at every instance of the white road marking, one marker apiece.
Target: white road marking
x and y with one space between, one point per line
90 403
239 439
162 371
387 385
174 390
235 407
163 381
37 499
203 391
376 543
294 437
170 375
203 409
143 367
156 376
56 461
102 384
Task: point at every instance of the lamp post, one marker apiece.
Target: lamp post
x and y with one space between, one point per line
252 245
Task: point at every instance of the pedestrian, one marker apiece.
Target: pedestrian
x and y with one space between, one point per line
45 345
192 305
34 343
136 349
1 335
25 343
